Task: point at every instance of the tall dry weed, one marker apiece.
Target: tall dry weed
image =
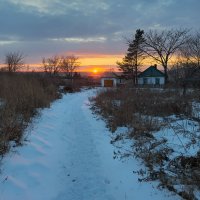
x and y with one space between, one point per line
20 96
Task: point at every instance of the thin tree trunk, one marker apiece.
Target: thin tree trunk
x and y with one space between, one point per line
133 77
136 75
166 74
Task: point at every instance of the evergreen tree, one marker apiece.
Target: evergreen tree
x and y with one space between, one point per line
134 56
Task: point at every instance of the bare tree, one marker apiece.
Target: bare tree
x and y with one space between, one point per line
161 46
185 74
14 61
52 65
191 50
182 71
187 69
188 62
69 64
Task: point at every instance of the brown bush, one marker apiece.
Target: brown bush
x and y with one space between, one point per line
145 111
20 96
119 106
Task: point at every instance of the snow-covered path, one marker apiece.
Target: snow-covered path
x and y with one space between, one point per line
68 156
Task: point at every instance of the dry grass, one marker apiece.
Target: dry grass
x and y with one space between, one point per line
146 111
120 106
21 95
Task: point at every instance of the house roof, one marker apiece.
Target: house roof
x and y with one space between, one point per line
152 71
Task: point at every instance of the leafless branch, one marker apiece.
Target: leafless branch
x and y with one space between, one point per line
14 61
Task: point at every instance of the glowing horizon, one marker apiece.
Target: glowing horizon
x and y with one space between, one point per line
94 63
88 63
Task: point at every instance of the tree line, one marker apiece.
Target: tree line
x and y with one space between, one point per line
161 46
14 61
65 64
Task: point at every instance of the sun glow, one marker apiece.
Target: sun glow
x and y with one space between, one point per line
95 64
95 71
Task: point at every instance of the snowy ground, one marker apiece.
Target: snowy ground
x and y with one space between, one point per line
68 156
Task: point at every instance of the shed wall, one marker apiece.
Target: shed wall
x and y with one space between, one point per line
113 79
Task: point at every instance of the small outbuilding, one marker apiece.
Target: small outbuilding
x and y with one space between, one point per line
109 81
151 76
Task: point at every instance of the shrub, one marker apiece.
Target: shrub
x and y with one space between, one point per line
21 95
119 106
146 111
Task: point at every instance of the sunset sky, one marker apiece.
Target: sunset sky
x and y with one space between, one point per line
93 30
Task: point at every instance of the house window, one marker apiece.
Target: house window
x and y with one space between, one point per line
157 81
145 81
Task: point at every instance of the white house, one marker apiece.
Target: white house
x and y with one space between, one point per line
151 76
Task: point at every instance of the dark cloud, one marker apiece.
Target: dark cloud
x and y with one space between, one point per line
39 27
